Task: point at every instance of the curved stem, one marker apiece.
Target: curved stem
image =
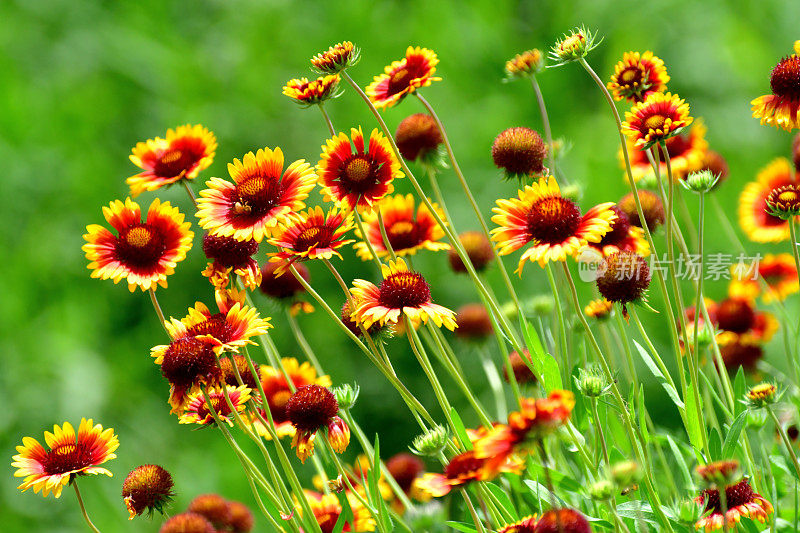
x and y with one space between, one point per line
83 509
190 192
331 129
303 342
366 240
386 243
548 136
785 439
157 307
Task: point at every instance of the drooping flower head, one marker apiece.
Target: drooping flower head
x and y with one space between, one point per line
69 455
782 108
550 222
226 255
198 412
656 119
313 234
403 77
402 293
473 322
742 501
261 195
638 75
313 408
463 469
520 153
478 248
525 64
357 175
623 236
187 522
278 391
755 220
182 155
522 372
406 230
624 277
562 521
142 252
652 209
336 58
406 469
346 317
778 272
687 153
327 509
283 286
308 93
418 138
147 488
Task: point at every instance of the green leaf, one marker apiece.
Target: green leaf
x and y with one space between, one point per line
671 392
682 466
460 431
544 494
732 438
637 510
503 499
531 337
739 389
460 526
551 373
643 416
715 445
693 428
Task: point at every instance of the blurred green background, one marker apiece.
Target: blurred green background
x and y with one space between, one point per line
81 82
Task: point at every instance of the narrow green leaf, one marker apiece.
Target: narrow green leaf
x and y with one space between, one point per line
544 494
693 421
682 466
503 499
739 389
531 337
671 392
715 445
461 432
460 526
551 373
732 438
642 416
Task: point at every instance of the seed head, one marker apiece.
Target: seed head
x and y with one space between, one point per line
147 488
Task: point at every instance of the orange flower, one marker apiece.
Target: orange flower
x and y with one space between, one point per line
778 272
261 195
336 58
313 408
525 64
182 155
659 117
327 509
227 254
144 253
742 501
637 76
461 470
307 93
551 222
355 178
756 222
401 293
526 525
623 236
406 231
403 77
782 108
687 153
312 235
197 411
69 455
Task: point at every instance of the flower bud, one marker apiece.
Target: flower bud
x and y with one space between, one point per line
688 512
601 490
625 474
431 442
700 182
591 382
573 46
346 395
761 395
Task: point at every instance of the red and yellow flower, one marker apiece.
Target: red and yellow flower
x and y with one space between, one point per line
463 469
311 409
356 175
69 455
403 77
142 252
198 412
407 232
182 155
402 293
551 222
637 76
623 236
782 108
307 93
313 234
327 509
278 392
336 58
741 500
227 255
756 222
261 195
687 153
657 118
526 525
778 272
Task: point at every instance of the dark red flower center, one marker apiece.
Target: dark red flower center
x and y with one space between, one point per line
562 521
174 161
311 407
216 325
359 174
405 468
735 495
620 229
327 521
68 457
405 234
625 278
417 135
464 466
140 246
654 122
785 79
631 76
188 359
399 80
676 147
286 284
551 220
404 289
148 487
254 197
277 404
313 237
735 314
228 251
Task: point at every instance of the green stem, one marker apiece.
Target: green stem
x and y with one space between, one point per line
331 129
548 136
386 243
366 240
157 307
785 439
599 429
189 191
303 342
83 508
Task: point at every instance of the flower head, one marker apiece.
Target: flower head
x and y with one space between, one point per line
357 175
562 521
402 293
754 217
526 525
308 93
327 509
198 412
277 282
777 271
652 209
656 119
406 230
623 236
526 64
624 277
719 472
784 202
520 368
478 249
213 507
716 164
519 153
142 252
336 58
431 442
573 46
762 394
599 308
687 153
551 223
310 409
473 322
638 75
262 195
182 155
187 523
701 181
403 77
462 469
227 254
782 108
418 138
314 234
741 500
69 455
147 488
240 518
591 382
